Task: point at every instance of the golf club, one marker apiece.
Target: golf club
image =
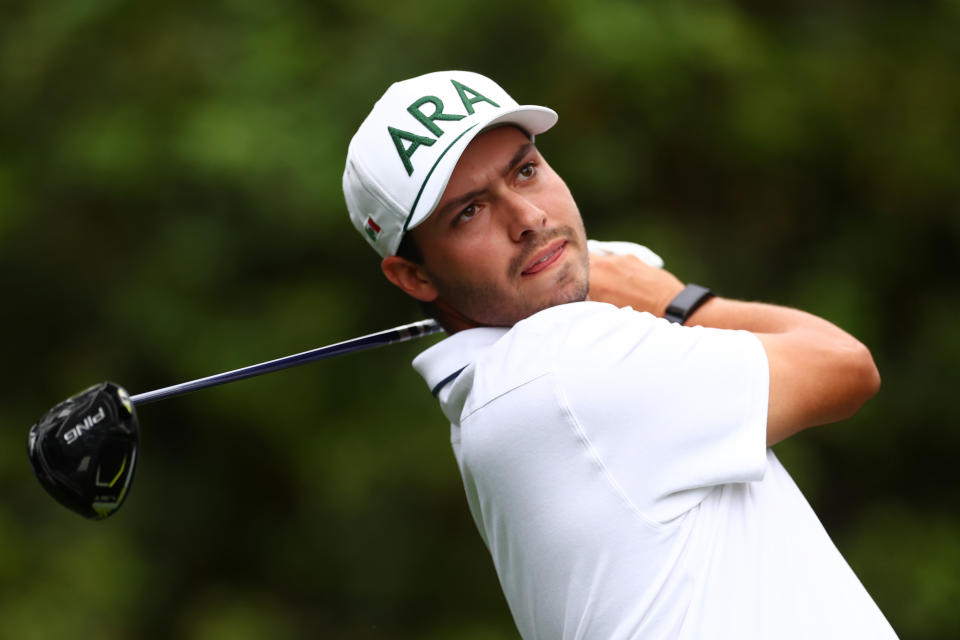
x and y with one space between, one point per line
84 450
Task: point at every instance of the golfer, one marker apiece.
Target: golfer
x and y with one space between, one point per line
611 424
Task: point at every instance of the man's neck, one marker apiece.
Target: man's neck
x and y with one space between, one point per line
451 319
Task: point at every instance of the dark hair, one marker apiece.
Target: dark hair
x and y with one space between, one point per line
410 250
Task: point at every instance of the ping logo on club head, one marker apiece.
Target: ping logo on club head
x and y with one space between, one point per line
74 434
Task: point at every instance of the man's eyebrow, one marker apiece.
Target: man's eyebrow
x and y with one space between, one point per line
517 157
458 202
470 195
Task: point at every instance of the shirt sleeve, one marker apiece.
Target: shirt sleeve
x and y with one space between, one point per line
670 411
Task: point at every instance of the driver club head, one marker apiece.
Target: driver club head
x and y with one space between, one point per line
84 450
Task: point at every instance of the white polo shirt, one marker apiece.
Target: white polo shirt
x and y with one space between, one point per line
616 467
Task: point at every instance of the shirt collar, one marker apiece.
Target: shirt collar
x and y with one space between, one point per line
453 354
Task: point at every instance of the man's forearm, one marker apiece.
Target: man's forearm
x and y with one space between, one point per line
756 317
818 372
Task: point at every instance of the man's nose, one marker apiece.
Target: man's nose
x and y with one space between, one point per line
523 216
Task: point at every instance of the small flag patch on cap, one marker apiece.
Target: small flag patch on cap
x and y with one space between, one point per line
372 229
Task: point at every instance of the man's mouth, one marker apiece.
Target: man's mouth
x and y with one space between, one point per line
544 259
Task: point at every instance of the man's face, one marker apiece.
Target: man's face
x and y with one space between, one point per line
506 239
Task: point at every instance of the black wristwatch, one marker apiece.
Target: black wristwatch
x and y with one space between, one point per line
688 301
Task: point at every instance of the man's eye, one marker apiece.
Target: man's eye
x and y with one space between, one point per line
466 214
528 170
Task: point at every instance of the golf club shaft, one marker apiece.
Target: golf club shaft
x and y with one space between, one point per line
381 338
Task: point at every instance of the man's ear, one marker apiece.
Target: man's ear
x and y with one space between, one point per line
410 277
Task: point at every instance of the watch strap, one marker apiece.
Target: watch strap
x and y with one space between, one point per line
686 302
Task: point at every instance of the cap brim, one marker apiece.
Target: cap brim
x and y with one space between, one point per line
531 118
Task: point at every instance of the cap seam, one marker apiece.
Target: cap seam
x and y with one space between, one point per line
426 179
378 192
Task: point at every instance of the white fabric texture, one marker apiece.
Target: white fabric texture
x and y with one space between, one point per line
615 465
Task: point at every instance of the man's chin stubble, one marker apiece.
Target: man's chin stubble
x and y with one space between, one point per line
483 306
567 290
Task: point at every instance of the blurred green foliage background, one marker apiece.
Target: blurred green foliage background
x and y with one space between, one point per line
170 207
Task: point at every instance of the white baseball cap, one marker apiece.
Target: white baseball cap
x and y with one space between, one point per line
402 156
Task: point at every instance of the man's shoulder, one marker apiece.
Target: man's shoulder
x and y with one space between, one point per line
562 337
580 336
576 328
580 318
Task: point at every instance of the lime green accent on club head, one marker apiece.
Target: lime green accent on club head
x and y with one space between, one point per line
123 465
104 509
125 399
